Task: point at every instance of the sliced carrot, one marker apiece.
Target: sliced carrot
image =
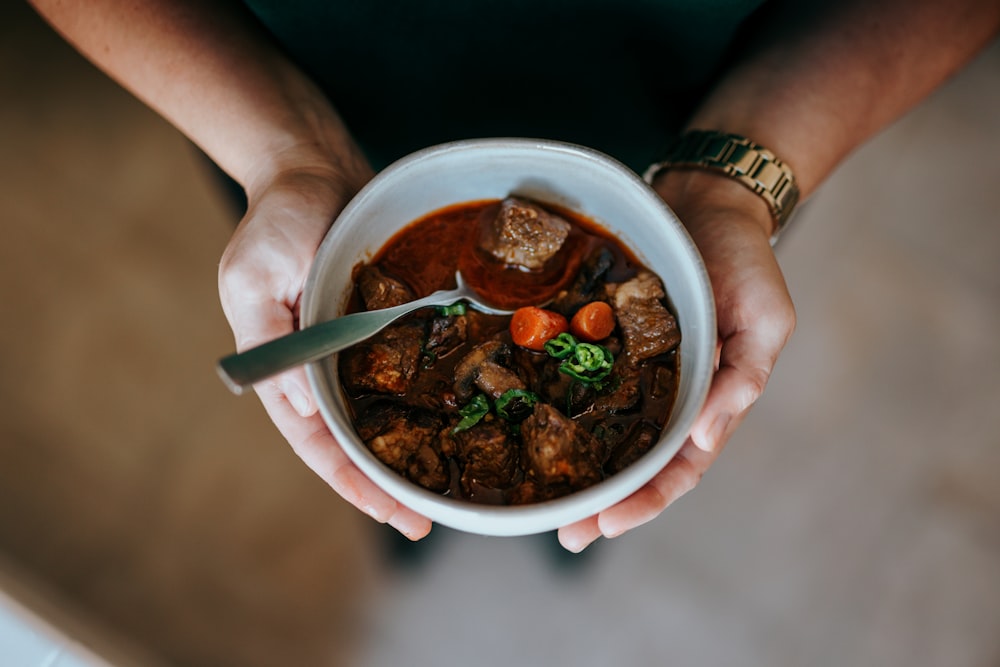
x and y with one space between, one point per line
530 327
594 322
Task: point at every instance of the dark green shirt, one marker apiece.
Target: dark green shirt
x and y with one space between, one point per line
618 76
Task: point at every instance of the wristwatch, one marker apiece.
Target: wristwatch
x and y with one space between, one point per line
749 163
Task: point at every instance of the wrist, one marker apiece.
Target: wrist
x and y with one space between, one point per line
737 158
327 156
344 169
700 197
304 134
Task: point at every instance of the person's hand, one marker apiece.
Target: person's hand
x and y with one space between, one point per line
261 277
731 227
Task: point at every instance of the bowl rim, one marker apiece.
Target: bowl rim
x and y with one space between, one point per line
536 517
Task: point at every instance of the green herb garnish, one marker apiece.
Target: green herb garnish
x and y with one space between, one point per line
589 363
561 346
586 362
454 309
514 405
472 412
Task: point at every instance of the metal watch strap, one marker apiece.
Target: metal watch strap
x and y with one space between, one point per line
749 163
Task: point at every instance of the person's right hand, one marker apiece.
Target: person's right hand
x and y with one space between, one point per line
261 277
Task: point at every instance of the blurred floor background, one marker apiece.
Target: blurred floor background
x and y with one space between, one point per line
854 520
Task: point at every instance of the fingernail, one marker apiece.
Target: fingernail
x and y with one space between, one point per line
575 546
611 528
412 528
297 398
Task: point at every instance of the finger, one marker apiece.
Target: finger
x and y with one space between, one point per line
746 360
312 441
681 475
293 386
578 536
256 319
732 394
259 287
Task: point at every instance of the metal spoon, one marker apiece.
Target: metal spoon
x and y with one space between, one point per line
241 370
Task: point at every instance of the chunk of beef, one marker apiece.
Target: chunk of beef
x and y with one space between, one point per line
647 326
486 457
446 334
484 368
624 392
386 363
663 382
558 451
431 391
380 291
406 440
524 234
587 286
639 439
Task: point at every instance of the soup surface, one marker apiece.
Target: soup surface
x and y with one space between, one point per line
571 388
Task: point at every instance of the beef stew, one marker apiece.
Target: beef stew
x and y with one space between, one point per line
452 400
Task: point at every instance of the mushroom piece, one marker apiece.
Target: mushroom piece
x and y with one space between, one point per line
483 368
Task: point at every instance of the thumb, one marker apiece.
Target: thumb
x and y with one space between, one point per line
258 321
747 358
293 386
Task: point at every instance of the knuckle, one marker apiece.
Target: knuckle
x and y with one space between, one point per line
690 476
680 477
787 319
236 275
754 383
777 322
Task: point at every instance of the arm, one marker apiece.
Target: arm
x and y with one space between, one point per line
812 85
818 81
208 69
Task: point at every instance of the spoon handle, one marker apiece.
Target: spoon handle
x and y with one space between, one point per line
239 371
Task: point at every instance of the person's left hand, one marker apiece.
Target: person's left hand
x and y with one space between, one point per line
731 227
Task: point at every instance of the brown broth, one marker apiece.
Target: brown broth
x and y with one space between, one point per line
426 254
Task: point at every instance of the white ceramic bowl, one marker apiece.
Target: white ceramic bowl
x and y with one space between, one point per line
571 176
